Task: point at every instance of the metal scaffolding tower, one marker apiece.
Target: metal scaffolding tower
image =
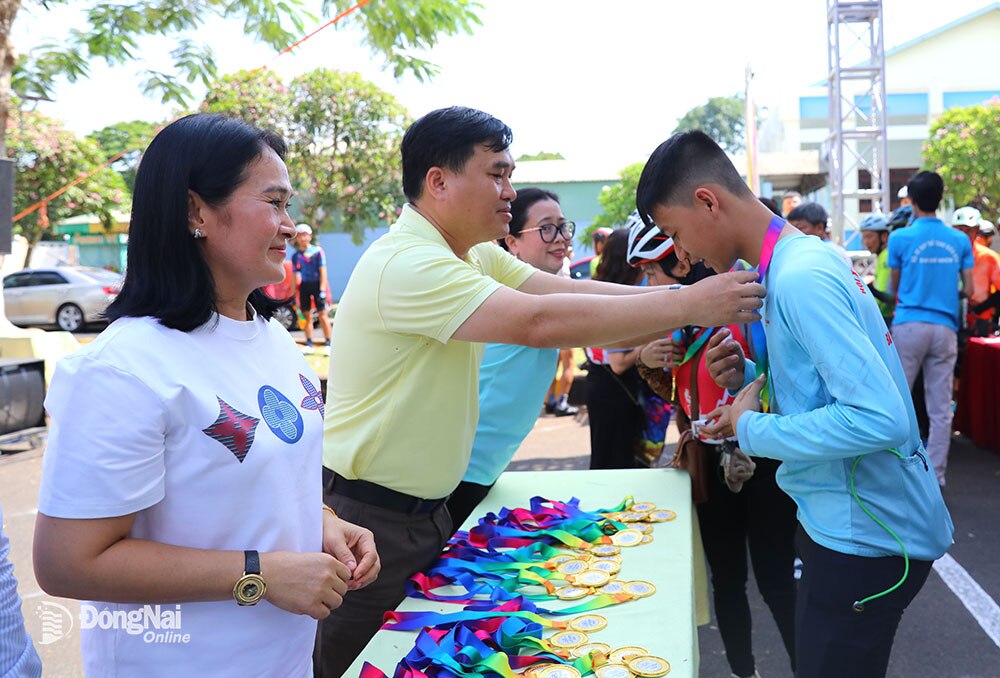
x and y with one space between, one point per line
857 141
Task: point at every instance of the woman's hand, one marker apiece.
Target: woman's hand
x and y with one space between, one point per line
724 360
352 545
304 583
727 416
661 353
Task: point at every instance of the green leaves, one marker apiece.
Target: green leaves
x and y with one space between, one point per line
343 137
618 200
964 148
722 118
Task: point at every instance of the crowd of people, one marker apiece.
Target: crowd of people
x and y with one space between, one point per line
769 350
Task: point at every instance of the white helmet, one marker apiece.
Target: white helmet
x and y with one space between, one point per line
968 217
646 243
986 228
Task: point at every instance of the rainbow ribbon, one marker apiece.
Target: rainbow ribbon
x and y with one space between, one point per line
757 334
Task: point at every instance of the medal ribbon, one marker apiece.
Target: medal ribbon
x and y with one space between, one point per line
757 329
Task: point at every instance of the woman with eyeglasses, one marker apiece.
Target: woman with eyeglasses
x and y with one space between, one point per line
513 379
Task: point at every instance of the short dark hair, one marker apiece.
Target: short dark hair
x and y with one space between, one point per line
678 166
791 194
447 138
811 212
926 190
613 266
770 204
526 197
166 276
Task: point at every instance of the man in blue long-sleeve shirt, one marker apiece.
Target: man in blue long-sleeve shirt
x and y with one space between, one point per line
840 416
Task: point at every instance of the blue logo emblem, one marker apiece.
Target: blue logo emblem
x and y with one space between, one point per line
280 415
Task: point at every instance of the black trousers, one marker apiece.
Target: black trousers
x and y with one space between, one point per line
615 417
831 638
760 518
464 500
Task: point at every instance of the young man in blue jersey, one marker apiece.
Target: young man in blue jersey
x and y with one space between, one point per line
309 262
836 410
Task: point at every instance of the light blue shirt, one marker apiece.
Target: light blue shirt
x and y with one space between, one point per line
930 256
838 392
18 657
512 385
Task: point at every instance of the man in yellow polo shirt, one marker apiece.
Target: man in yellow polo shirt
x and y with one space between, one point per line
402 395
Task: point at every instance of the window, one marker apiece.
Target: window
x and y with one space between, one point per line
16 280
898 177
39 278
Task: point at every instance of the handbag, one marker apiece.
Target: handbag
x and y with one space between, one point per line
691 454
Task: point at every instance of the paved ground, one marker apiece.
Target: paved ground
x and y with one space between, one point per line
940 635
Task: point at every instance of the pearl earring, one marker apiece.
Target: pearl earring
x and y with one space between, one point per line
198 234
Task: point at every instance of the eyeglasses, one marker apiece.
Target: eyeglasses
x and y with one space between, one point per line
548 231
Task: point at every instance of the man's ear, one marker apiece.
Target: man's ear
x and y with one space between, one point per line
511 243
705 198
435 183
682 268
196 209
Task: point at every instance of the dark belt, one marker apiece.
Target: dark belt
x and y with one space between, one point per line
383 497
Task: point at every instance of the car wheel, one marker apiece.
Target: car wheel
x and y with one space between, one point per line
286 317
69 318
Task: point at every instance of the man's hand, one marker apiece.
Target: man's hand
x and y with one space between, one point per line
725 298
661 353
726 416
724 359
354 546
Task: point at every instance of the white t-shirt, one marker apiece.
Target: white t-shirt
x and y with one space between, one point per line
213 438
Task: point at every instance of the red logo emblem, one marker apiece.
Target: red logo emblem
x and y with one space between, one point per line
888 339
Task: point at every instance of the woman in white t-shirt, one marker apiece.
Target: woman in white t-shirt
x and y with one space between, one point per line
181 488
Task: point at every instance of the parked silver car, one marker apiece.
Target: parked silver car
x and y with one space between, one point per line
66 296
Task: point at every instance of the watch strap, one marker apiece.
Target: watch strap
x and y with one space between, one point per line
251 562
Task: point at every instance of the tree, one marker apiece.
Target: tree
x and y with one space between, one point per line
618 200
343 137
722 118
392 28
964 147
127 138
541 155
47 156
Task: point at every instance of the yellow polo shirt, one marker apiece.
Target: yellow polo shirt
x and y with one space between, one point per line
402 397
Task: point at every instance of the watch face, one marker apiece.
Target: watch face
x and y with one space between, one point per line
249 589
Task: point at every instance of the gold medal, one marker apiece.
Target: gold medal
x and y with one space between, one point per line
609 566
574 566
605 550
559 671
588 648
623 654
633 517
591 578
628 537
588 623
612 588
561 558
645 528
644 507
646 538
649 666
639 589
572 592
612 671
660 516
568 639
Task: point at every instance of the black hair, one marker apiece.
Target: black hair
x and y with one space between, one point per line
925 189
770 204
791 194
810 212
613 266
166 276
447 138
699 271
526 197
681 164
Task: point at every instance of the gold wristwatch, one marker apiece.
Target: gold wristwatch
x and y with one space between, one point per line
250 588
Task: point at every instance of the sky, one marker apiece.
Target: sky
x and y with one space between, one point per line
596 81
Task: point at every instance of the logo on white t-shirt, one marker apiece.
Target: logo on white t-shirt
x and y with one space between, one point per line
233 429
280 415
313 399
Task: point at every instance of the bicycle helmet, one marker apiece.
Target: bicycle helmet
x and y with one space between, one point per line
874 222
968 217
646 243
900 217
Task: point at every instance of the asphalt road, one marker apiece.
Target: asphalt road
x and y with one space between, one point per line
939 635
